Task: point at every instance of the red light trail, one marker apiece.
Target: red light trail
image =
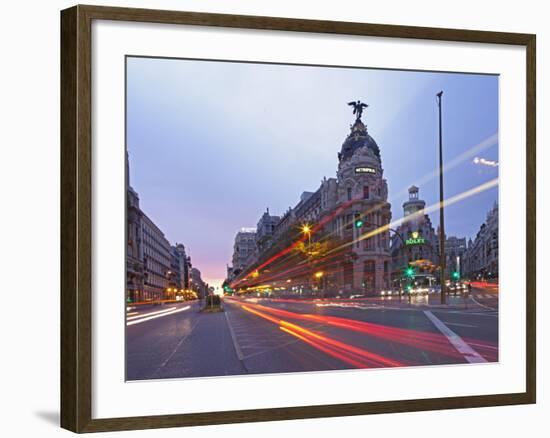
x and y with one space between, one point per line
433 342
350 354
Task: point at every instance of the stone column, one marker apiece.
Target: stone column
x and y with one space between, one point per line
379 275
358 274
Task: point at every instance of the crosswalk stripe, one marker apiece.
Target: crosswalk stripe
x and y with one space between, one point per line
462 347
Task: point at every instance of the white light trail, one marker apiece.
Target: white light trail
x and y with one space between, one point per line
484 162
151 313
157 315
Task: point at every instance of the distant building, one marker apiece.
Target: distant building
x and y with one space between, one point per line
455 248
265 229
481 257
415 241
230 275
157 260
197 283
179 276
309 207
284 224
134 248
154 269
244 247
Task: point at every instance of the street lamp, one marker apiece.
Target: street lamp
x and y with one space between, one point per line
306 229
441 214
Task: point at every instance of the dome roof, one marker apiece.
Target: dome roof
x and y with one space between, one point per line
357 139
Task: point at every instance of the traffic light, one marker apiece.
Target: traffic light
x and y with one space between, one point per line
358 221
409 272
455 275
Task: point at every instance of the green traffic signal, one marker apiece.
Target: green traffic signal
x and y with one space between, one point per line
455 275
358 223
409 272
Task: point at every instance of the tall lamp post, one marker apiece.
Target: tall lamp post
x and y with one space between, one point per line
441 210
306 230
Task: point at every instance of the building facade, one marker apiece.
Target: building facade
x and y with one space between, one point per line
179 268
157 255
154 269
134 249
197 284
356 213
455 249
414 242
481 257
345 242
244 247
265 230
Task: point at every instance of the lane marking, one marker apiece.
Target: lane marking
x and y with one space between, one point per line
176 348
458 324
462 347
151 313
491 347
481 305
238 350
132 313
139 321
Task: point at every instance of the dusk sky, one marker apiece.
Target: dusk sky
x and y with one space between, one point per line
213 144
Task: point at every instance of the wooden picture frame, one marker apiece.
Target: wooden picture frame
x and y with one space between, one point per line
76 217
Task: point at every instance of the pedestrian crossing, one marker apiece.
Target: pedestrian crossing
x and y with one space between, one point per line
485 296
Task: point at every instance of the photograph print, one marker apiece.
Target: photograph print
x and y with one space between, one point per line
285 218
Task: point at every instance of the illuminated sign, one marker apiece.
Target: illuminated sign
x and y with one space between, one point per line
365 170
415 239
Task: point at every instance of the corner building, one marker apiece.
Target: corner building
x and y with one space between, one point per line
354 207
416 243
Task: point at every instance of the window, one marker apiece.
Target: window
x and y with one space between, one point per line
349 221
365 192
368 243
370 266
349 193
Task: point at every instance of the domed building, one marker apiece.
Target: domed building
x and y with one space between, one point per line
356 203
346 248
417 242
358 138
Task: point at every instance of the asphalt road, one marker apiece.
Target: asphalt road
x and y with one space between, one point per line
254 336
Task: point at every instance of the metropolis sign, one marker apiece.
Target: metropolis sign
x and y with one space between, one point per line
365 170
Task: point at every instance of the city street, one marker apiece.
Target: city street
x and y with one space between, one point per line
262 335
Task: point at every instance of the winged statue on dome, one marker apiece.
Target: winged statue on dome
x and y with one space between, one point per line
358 108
